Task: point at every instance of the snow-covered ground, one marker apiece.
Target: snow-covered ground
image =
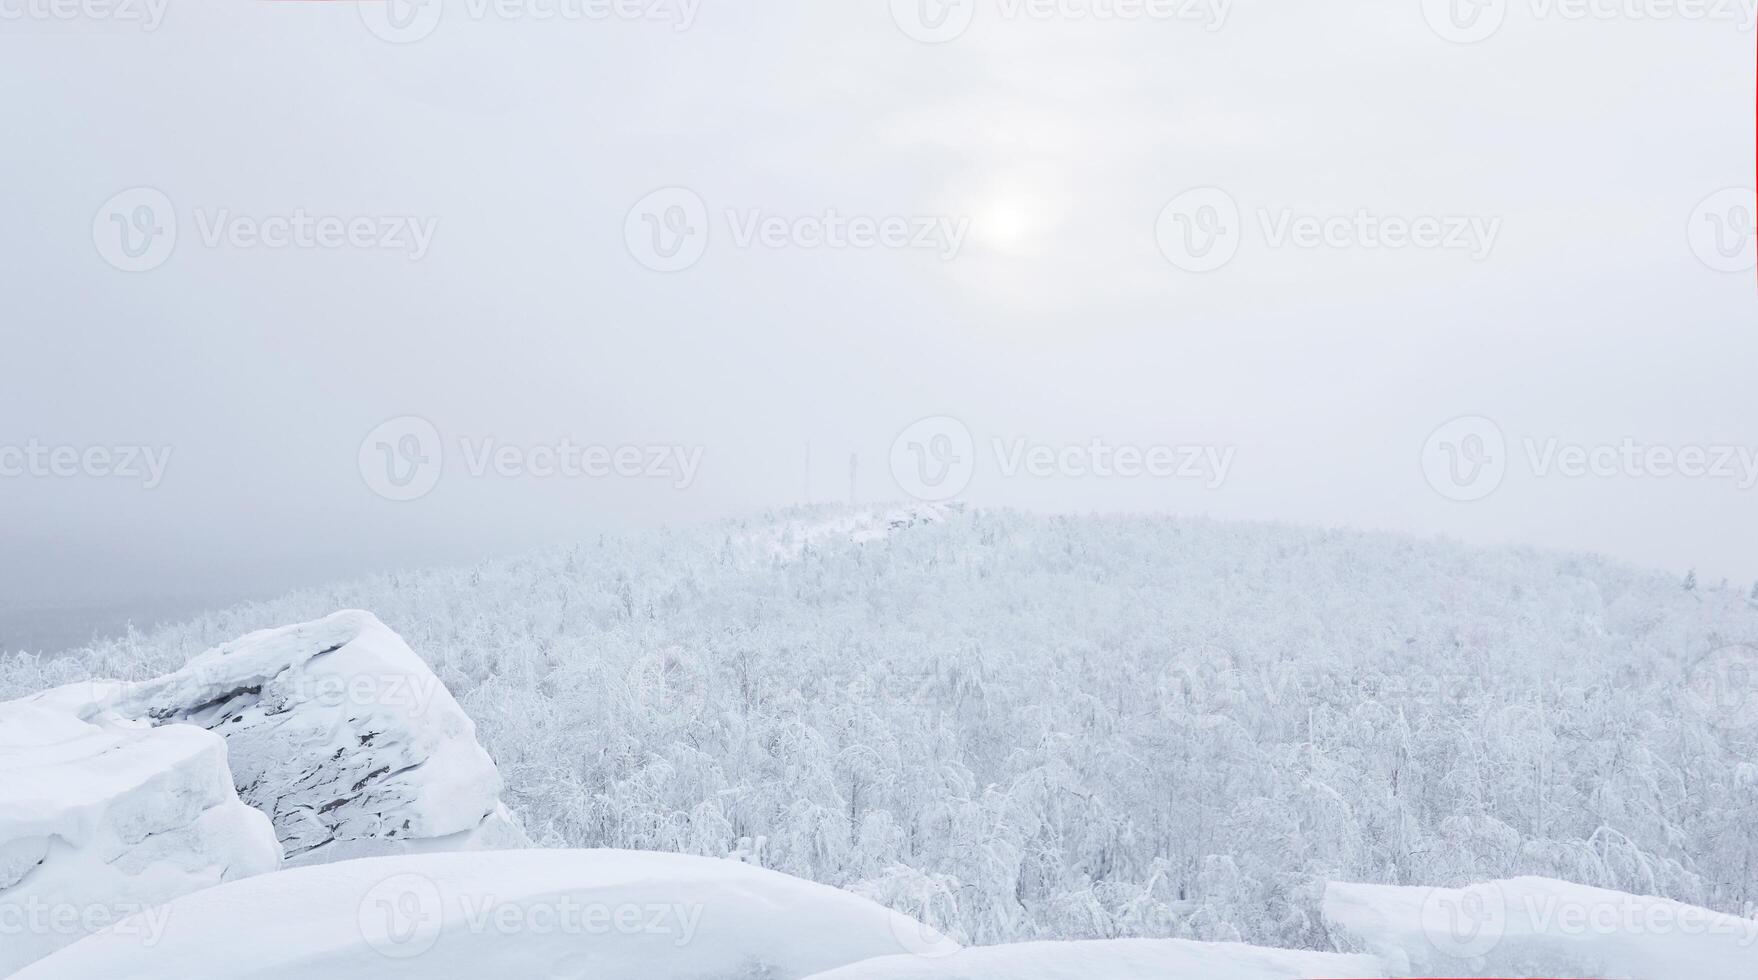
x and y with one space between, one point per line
1539 927
620 915
1114 959
531 915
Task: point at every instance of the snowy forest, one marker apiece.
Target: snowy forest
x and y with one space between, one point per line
1020 727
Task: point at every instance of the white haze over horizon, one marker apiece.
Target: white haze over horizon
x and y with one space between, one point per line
526 144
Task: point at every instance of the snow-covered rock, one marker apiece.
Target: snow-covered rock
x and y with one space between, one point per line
101 817
1538 927
531 915
342 735
1113 959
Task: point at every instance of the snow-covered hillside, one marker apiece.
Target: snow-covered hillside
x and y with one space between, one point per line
1022 728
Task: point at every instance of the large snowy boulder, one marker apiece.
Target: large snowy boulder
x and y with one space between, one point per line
531 915
342 735
102 817
1538 927
1113 959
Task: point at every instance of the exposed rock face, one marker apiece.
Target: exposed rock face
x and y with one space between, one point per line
343 736
102 818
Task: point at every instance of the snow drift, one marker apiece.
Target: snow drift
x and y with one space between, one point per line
544 915
342 735
1113 959
1539 927
102 817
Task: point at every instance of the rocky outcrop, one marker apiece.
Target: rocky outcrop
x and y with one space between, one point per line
343 736
102 818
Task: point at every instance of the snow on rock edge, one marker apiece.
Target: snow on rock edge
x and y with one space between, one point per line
101 817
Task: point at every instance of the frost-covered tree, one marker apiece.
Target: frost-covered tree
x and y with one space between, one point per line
1027 727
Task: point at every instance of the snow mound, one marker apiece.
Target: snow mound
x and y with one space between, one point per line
1539 927
101 818
342 735
1113 959
818 528
531 915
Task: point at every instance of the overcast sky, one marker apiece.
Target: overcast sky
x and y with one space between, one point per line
483 250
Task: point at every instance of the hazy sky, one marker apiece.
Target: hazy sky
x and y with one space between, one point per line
481 231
